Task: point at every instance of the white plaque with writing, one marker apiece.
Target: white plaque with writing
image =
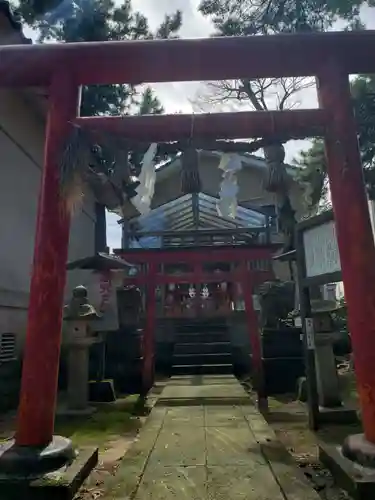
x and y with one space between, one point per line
310 335
321 250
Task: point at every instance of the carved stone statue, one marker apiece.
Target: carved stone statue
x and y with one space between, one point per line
79 306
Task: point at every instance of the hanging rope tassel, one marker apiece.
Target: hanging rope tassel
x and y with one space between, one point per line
190 178
276 180
73 166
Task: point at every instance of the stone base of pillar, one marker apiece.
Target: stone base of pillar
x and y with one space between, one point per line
359 450
357 480
338 415
30 462
61 484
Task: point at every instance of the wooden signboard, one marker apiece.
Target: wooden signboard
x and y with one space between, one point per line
321 255
318 263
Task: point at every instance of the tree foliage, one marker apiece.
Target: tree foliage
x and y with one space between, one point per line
267 17
99 20
103 20
313 161
255 17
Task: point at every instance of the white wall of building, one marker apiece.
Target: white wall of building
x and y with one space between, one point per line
21 159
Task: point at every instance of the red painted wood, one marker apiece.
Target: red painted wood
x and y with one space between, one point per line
149 331
197 255
354 234
188 60
42 347
247 284
162 279
211 126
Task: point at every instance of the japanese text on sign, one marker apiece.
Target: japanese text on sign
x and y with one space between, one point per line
321 250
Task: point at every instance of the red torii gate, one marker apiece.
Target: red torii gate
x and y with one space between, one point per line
150 276
63 68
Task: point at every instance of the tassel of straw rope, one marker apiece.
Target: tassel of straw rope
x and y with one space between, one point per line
190 178
276 172
73 167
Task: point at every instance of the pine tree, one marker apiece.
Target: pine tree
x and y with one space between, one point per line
99 20
103 20
313 161
264 17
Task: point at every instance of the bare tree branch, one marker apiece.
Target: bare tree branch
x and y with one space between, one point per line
261 95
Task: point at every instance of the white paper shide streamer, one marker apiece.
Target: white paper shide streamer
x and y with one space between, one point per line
227 205
147 177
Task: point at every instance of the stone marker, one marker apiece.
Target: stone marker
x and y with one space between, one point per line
78 314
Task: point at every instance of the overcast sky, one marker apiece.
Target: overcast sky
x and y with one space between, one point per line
178 97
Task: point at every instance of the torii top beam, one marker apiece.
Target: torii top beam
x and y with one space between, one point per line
188 60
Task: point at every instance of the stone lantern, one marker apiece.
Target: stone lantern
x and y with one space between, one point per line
78 315
326 371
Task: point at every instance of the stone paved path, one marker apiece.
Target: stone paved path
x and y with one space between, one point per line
205 441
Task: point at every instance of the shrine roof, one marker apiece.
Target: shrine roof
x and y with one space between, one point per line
186 214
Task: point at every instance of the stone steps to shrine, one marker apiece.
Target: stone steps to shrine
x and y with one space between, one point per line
202 348
195 325
202 337
202 369
218 358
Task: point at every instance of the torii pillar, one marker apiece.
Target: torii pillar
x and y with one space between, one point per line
356 247
35 450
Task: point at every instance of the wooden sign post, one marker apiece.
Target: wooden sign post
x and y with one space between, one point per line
318 263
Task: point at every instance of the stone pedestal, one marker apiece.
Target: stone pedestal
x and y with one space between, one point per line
326 372
79 313
78 374
78 379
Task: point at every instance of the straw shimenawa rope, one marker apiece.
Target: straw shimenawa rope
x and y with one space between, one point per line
276 171
73 167
190 178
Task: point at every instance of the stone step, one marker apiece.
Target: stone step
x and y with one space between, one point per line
219 369
203 348
201 337
202 359
200 327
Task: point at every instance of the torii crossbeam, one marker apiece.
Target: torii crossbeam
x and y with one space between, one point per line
62 68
